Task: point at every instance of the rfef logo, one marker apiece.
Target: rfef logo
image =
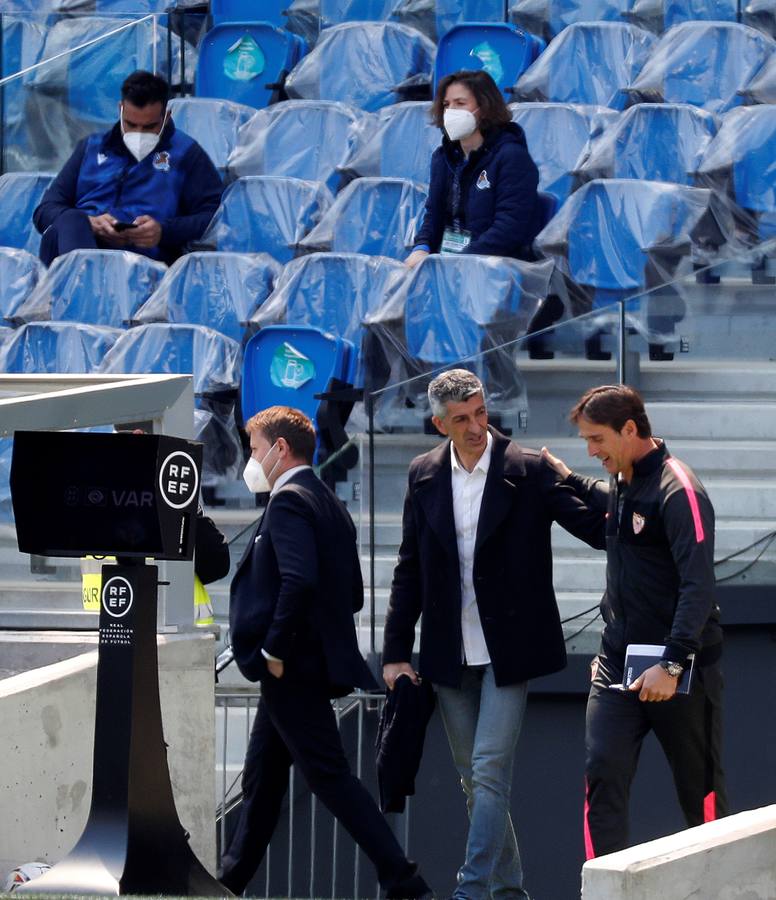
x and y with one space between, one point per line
178 480
117 596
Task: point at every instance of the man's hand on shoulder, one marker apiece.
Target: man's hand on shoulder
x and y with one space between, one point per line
655 684
392 671
148 232
102 227
560 467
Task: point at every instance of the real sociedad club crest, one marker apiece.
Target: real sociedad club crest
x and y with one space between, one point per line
638 523
162 161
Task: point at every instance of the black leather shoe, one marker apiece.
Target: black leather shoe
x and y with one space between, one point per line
411 887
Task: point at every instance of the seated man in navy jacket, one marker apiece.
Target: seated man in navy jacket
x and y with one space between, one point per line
142 186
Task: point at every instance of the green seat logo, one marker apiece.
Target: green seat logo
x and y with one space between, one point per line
290 368
244 60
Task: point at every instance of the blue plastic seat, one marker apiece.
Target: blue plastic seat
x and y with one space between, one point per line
399 145
22 44
220 290
376 216
57 347
449 13
246 10
759 14
20 271
706 64
557 135
212 358
287 365
337 12
97 287
296 138
653 142
362 64
591 62
740 162
266 214
503 51
456 307
549 17
20 193
677 11
762 87
333 292
246 62
214 124
617 237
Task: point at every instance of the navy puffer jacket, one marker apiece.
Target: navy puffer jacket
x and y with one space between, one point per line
498 202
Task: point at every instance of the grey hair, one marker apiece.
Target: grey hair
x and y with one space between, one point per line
455 385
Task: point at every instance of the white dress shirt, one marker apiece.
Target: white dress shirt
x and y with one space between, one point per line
467 500
281 480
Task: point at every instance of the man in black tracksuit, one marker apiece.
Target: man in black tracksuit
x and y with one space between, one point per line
659 590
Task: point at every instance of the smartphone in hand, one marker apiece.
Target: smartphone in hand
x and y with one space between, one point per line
123 226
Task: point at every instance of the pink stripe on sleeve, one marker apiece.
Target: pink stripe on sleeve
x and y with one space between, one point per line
589 849
691 497
710 807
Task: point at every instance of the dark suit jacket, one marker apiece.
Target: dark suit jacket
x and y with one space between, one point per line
297 587
512 566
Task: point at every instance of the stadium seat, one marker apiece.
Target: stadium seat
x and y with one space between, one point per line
246 62
297 138
362 64
739 163
266 214
618 237
760 14
652 142
376 216
22 44
20 271
549 17
213 360
220 290
558 135
214 124
331 291
706 64
337 12
97 287
449 13
564 74
245 11
677 11
57 347
288 365
503 51
20 193
762 87
399 145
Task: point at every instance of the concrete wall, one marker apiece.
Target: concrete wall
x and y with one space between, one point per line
46 741
731 859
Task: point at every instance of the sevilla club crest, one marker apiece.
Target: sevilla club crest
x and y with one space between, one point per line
638 523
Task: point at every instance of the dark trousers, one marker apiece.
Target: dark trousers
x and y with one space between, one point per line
71 231
295 723
689 729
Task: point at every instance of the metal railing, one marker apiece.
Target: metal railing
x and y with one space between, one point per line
238 708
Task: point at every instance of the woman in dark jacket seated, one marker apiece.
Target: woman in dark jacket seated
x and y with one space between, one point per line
482 192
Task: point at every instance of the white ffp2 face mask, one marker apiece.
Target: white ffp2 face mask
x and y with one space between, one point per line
459 123
254 476
140 143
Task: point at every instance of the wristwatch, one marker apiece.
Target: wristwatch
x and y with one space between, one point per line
673 669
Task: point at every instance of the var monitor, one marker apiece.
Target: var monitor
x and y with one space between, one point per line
105 494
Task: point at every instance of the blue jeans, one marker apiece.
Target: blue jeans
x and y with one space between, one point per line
483 722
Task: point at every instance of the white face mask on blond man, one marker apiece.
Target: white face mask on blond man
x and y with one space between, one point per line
459 123
140 143
254 476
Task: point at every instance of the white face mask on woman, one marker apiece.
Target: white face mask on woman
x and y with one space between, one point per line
254 476
140 143
459 123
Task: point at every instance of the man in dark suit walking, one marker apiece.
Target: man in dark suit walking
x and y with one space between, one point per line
291 614
476 563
